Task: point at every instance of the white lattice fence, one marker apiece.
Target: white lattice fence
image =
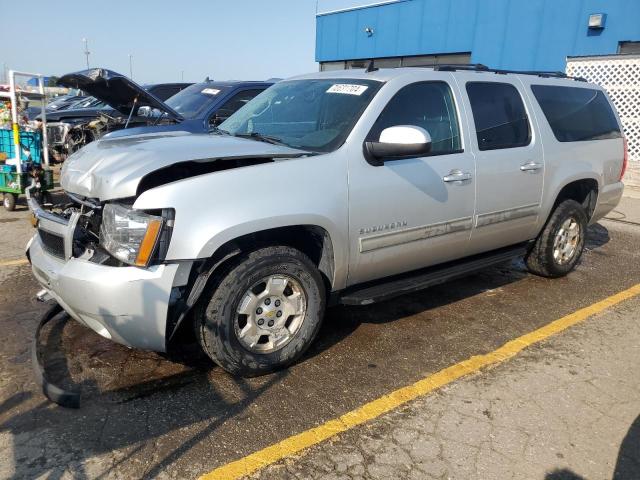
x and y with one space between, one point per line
619 75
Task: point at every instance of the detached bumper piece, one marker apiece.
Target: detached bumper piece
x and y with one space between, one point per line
64 398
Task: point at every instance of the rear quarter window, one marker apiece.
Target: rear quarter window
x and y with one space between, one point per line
577 114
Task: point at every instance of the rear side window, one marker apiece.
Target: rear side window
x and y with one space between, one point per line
428 105
499 115
577 114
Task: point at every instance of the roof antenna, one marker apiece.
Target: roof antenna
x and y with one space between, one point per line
371 67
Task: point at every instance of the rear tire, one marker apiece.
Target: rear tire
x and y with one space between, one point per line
9 201
264 311
559 246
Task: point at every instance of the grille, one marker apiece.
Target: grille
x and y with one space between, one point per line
53 244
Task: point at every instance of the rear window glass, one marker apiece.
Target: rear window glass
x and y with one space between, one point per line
499 115
577 114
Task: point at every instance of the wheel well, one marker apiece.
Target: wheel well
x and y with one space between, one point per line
312 240
585 192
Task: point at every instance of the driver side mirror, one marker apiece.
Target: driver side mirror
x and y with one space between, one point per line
396 143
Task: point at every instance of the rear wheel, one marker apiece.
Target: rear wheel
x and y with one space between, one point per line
263 311
9 201
559 246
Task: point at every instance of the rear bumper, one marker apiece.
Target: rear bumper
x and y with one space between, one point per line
126 304
608 198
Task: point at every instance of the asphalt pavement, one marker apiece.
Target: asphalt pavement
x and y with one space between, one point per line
147 416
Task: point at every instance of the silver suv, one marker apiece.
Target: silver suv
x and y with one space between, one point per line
337 187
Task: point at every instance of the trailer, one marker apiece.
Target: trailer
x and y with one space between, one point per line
25 169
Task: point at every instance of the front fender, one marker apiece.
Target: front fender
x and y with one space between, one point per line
215 208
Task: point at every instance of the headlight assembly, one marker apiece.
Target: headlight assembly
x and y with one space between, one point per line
129 235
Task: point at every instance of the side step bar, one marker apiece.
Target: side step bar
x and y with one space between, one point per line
390 287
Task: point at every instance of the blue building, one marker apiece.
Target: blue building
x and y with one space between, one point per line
509 34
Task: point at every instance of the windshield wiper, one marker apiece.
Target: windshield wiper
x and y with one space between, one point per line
260 137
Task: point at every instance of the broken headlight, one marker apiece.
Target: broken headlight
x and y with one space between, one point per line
129 235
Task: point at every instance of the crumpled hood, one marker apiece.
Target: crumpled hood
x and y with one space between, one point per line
112 168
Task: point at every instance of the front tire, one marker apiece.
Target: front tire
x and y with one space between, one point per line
9 201
264 311
559 246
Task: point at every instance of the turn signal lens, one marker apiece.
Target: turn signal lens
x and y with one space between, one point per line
148 242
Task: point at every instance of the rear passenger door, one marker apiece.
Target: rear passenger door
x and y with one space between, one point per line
509 162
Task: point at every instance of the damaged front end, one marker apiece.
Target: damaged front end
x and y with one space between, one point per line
82 273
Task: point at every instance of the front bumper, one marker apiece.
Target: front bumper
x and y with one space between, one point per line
126 304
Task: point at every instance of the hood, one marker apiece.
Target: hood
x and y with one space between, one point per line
116 90
113 168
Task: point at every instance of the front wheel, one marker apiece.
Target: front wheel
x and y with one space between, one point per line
263 312
559 246
9 201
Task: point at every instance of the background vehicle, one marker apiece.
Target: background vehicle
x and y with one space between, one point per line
195 108
336 187
82 119
202 106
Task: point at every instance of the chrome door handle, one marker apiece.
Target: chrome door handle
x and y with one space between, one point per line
530 166
456 176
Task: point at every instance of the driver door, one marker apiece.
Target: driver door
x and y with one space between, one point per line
411 213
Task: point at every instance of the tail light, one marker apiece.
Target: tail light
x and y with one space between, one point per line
625 158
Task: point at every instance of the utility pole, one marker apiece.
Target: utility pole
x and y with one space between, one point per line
182 75
131 66
86 51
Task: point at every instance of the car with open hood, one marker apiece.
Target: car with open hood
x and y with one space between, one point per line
335 187
117 103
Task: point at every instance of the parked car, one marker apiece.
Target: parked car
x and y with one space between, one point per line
107 108
202 106
336 187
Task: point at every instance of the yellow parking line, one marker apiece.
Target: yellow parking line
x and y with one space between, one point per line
9 263
369 411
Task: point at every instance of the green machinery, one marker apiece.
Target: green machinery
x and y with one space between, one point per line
25 168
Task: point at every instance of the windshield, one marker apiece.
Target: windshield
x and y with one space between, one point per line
315 115
196 99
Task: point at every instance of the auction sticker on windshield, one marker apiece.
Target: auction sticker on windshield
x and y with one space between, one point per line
211 91
347 88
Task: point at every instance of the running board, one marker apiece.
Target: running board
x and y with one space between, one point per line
390 287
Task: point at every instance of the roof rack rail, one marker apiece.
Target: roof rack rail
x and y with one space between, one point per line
450 67
478 67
